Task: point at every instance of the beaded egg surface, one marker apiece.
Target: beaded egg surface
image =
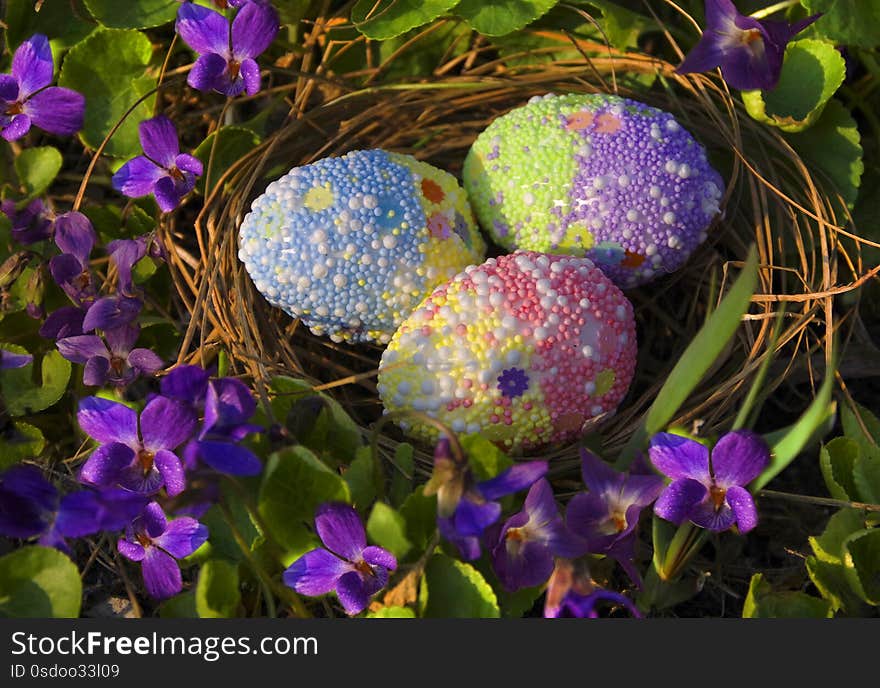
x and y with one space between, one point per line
351 245
525 349
595 175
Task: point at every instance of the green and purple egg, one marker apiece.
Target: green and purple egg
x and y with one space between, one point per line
600 176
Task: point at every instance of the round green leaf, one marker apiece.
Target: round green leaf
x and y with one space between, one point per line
862 561
217 592
23 395
387 528
837 459
37 168
133 14
833 145
763 602
454 589
232 144
22 441
109 69
295 483
39 582
848 22
389 18
60 21
811 73
392 613
500 18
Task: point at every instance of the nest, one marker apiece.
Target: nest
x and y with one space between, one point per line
772 199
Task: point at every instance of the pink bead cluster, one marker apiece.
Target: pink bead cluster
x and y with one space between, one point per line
525 348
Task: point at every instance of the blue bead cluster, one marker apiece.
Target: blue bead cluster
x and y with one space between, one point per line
351 245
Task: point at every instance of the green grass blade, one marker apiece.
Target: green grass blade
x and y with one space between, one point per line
699 356
788 443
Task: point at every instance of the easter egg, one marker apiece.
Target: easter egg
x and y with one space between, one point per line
524 349
351 245
599 176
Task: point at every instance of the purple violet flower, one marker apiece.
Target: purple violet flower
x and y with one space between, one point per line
30 506
345 564
9 359
26 97
186 383
76 238
31 224
136 454
571 593
111 312
125 254
530 539
606 517
115 362
465 507
709 490
226 61
64 322
749 51
228 406
163 170
157 544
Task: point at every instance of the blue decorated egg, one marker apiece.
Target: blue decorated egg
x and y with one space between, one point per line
351 245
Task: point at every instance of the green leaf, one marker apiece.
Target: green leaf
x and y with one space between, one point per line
222 539
497 19
862 561
361 479
811 73
387 528
384 19
485 458
860 425
833 584
837 459
182 606
24 396
420 513
763 603
828 546
295 482
133 14
454 589
699 356
833 144
316 420
786 444
863 427
232 144
217 592
37 169
21 441
109 69
847 22
110 223
392 613
39 582
60 21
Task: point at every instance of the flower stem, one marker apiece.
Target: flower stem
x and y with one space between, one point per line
773 9
282 591
820 501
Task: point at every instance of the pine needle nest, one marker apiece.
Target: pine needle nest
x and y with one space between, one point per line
773 199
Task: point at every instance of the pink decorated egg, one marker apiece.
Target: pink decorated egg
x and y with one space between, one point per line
524 349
